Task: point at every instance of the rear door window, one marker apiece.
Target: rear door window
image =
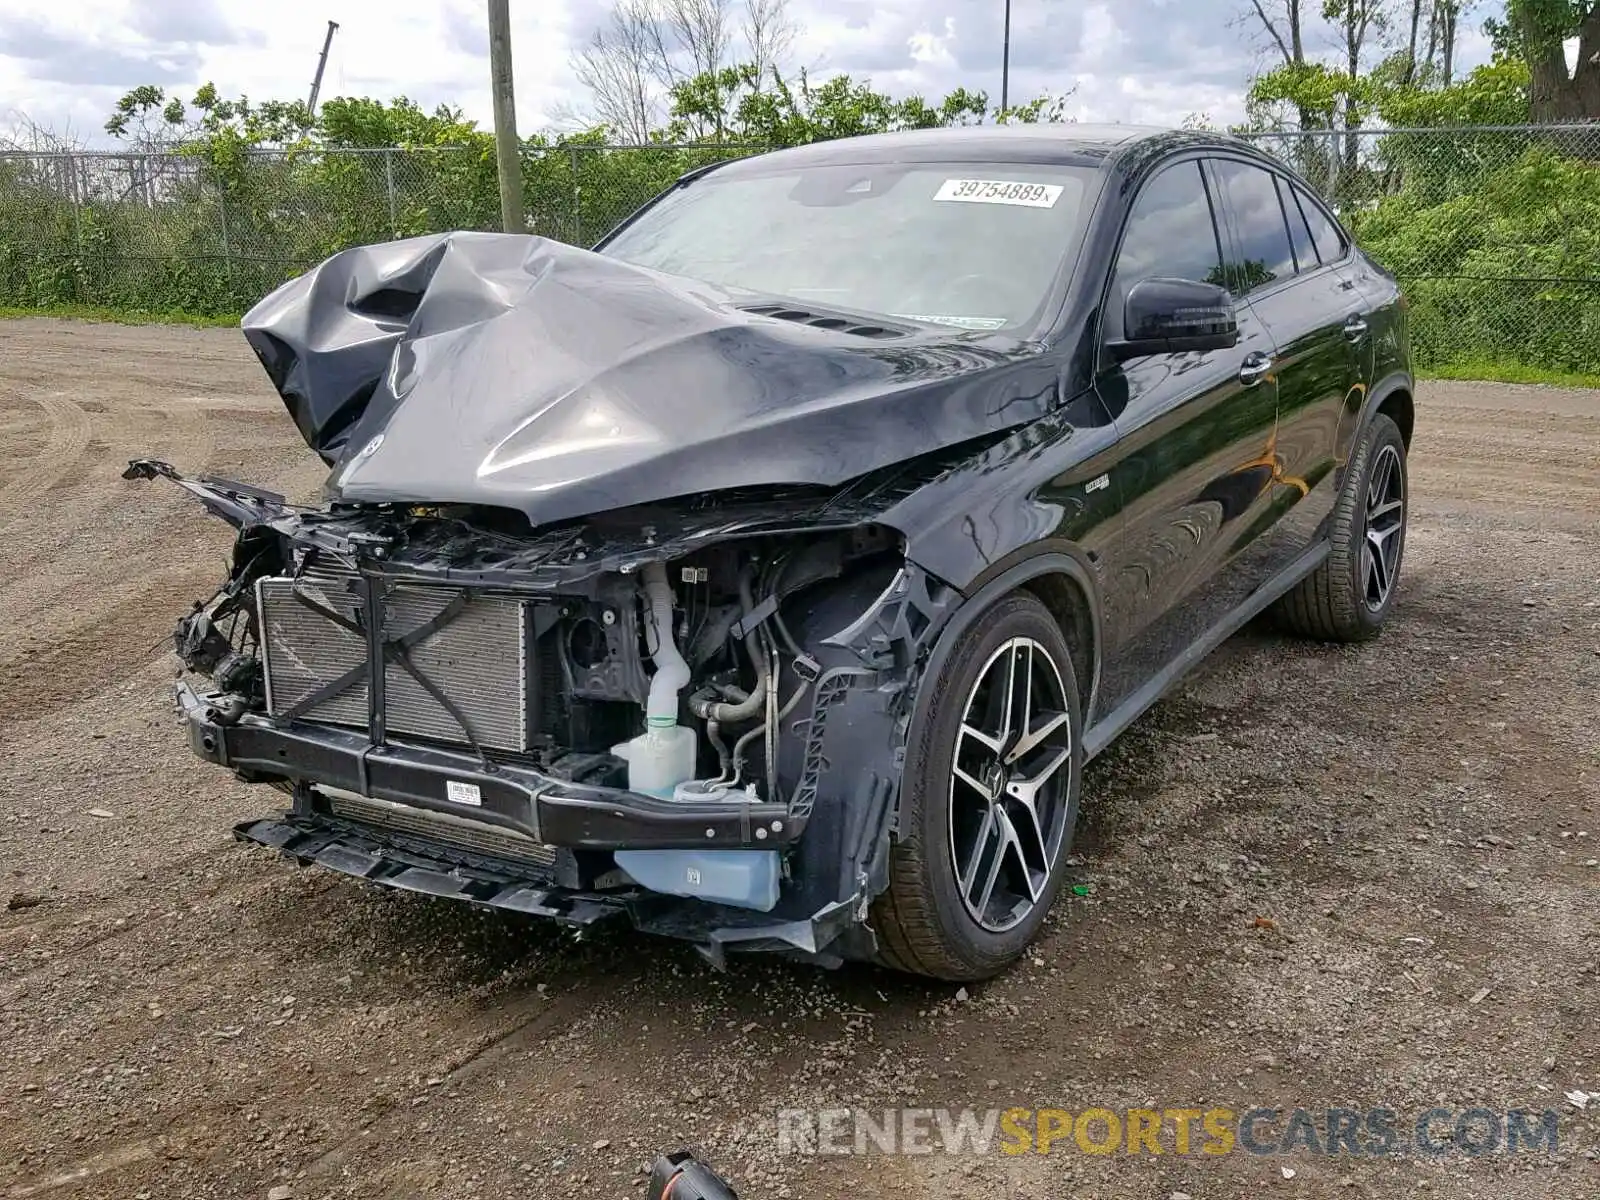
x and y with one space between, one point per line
1261 253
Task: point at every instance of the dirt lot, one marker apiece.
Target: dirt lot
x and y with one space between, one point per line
1418 822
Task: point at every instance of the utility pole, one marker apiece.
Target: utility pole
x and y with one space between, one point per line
508 161
322 65
1005 63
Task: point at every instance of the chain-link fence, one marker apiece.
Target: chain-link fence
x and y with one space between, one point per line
1494 231
164 232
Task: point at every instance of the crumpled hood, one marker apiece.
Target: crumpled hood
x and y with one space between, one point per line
517 371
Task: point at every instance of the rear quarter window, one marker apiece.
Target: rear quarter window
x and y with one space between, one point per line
1305 251
1329 238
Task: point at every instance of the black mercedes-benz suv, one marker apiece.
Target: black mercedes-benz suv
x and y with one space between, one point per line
766 575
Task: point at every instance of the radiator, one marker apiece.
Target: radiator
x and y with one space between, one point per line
478 659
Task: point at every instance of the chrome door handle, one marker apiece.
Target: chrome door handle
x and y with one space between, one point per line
1255 367
1355 329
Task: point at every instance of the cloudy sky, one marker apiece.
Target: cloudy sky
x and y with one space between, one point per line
65 64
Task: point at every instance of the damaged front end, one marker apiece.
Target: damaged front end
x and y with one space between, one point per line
609 612
690 715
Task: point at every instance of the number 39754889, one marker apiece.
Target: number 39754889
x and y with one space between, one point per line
1000 191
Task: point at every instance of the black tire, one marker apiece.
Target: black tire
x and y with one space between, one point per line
1335 602
922 921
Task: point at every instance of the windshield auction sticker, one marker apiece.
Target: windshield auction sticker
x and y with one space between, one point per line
1000 191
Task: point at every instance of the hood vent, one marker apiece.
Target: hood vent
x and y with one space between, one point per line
782 312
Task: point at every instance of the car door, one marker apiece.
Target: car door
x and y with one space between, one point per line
1373 331
1311 310
1195 432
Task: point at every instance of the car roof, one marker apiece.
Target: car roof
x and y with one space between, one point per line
1060 142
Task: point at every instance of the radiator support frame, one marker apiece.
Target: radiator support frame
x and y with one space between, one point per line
370 620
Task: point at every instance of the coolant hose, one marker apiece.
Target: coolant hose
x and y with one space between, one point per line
708 710
672 673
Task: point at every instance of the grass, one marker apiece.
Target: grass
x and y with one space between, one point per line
1510 372
121 316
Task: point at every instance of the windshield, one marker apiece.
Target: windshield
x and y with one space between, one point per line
969 245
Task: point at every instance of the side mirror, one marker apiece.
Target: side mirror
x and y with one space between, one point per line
1164 316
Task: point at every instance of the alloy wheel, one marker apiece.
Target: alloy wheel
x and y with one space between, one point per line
1386 518
1011 785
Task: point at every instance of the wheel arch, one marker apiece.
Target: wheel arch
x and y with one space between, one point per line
1399 407
1393 397
1064 595
1057 575
917 924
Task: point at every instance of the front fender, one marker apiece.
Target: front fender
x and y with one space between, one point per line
1060 559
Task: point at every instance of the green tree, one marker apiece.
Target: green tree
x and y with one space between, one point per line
1328 98
365 123
148 118
742 105
1493 94
1536 30
1496 93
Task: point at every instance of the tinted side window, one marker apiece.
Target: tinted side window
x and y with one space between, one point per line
1330 242
1262 254
1170 236
1305 254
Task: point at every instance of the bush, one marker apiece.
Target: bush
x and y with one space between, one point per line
1503 271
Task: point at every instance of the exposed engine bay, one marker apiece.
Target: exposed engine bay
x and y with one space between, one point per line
574 725
556 679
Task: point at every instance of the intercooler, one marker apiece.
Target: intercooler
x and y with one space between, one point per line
475 654
463 833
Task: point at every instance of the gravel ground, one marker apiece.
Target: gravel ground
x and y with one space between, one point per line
1315 876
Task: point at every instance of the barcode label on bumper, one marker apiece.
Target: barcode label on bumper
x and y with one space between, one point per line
463 793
